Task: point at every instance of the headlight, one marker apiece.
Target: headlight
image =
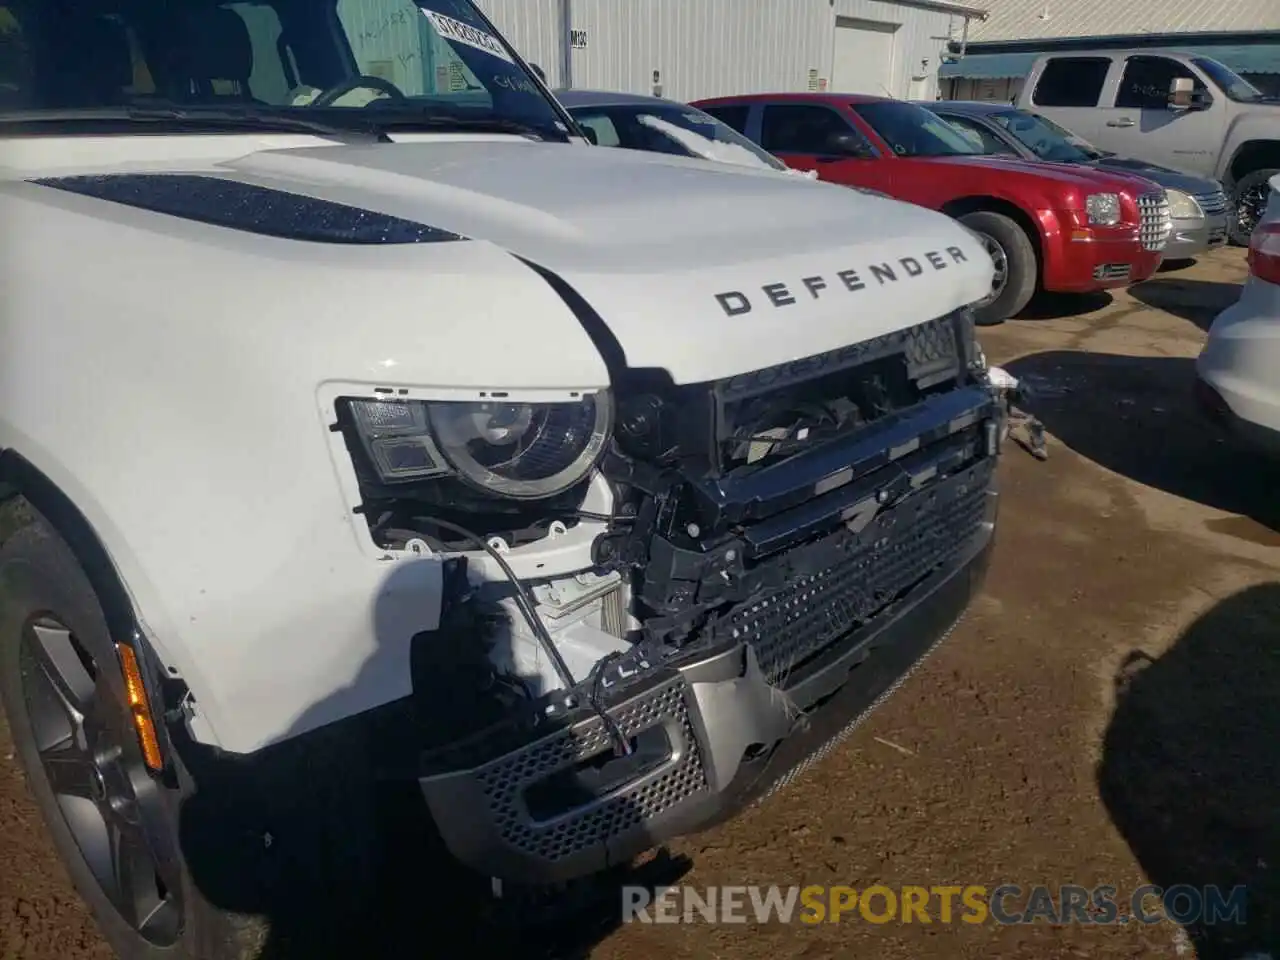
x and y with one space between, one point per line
526 451
1183 206
1103 209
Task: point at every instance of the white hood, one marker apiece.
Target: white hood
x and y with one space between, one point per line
704 269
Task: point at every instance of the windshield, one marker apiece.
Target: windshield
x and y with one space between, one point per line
369 64
680 130
1046 139
1231 83
912 131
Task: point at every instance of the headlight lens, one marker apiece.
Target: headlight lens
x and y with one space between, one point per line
1103 209
1183 206
525 451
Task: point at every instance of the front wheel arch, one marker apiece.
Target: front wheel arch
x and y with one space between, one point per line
27 495
1250 156
987 204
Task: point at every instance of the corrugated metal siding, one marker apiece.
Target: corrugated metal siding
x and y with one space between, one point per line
533 28
1044 19
701 48
705 48
922 35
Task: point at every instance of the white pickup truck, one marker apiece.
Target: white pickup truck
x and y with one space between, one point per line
358 417
1181 110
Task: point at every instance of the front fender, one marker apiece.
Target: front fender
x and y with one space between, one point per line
1246 133
166 376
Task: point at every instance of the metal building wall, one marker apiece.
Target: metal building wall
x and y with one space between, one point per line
704 48
701 48
920 41
533 27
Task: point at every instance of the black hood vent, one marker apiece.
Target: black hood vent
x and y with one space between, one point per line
253 209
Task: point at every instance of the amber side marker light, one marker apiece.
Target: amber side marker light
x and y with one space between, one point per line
139 708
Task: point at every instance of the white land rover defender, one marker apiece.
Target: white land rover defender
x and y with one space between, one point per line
358 416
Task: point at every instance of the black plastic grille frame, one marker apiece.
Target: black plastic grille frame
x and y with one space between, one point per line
930 348
870 570
505 780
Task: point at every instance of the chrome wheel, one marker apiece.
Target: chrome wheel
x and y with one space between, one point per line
90 758
1000 260
1251 204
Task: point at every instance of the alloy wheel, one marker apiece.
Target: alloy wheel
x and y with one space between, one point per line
1000 260
1251 204
90 757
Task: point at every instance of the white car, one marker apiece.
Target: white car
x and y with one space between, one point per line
357 416
1238 371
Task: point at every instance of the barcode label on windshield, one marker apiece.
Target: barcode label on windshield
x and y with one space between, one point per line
456 31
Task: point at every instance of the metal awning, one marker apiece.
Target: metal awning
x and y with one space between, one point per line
989 66
968 10
1250 58
1242 58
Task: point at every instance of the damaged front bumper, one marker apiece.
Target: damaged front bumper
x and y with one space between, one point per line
719 726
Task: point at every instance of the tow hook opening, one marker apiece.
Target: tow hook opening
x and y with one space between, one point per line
594 777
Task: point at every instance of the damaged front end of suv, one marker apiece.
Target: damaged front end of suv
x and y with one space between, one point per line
766 556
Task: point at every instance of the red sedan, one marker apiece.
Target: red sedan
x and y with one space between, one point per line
1047 226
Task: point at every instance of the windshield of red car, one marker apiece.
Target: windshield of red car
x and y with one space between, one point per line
912 131
1046 139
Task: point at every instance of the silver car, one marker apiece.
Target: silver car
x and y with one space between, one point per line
1238 370
1198 205
638 122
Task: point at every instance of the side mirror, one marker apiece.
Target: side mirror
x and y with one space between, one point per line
846 144
538 70
1184 96
592 137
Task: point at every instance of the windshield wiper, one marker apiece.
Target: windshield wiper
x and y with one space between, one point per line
256 119
374 122
410 122
219 117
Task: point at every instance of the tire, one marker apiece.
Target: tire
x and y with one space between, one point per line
1245 191
1022 270
236 892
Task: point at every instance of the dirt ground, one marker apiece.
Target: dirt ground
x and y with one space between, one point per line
1106 714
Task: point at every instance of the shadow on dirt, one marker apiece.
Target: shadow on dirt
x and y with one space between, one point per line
1190 774
326 846
1198 301
1136 416
315 881
1057 306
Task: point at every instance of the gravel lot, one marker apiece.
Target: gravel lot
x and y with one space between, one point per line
1106 714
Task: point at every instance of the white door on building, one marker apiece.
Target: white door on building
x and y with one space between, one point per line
863 57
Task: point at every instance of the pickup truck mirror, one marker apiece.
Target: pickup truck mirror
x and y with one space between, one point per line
592 137
846 144
1184 96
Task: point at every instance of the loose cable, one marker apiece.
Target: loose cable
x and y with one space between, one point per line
525 605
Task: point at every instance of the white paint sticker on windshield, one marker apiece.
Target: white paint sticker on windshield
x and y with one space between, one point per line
456 31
